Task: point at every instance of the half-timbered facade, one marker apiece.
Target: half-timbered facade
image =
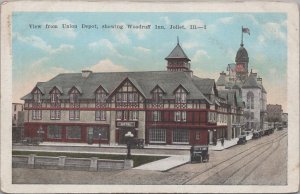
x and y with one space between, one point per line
162 107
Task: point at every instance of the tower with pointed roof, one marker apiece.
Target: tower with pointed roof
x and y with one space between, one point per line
177 60
241 61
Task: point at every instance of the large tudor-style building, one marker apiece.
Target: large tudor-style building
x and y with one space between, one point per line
162 107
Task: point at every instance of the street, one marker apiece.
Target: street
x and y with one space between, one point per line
258 162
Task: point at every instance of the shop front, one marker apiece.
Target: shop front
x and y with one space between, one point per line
77 133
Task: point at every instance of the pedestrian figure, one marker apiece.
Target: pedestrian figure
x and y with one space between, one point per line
222 142
192 152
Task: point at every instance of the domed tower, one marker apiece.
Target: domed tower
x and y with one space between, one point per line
177 60
242 59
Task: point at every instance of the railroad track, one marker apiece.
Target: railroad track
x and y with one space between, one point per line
233 160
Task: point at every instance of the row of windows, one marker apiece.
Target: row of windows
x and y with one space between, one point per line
179 116
75 132
179 136
100 115
122 96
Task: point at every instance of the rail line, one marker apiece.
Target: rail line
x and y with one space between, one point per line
280 136
258 164
253 159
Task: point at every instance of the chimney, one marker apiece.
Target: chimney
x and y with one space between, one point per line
189 73
86 73
222 73
253 74
259 80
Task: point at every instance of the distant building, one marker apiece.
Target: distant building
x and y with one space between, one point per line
162 107
17 121
16 107
249 87
274 113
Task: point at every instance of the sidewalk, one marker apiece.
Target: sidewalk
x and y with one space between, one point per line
218 147
165 164
227 143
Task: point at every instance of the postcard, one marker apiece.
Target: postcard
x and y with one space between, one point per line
149 97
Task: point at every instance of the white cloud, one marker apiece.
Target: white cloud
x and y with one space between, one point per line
226 20
107 65
36 73
190 45
202 73
60 31
102 43
199 55
142 49
39 43
274 30
106 45
166 20
252 18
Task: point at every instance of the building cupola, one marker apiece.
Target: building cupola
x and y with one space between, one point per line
177 60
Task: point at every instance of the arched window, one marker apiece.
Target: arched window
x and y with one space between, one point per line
250 100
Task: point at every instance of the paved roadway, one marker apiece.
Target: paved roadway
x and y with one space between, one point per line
259 162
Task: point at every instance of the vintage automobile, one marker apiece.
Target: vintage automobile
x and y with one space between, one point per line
137 143
269 131
256 135
242 140
199 153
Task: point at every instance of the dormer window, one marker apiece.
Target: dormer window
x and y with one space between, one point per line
100 96
157 95
55 103
74 114
37 96
180 96
74 96
55 94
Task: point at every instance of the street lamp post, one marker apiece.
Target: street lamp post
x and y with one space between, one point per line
129 136
40 131
99 140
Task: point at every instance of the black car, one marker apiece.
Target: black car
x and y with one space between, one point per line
199 153
242 140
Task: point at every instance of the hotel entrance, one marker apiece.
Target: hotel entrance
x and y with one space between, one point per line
123 128
123 131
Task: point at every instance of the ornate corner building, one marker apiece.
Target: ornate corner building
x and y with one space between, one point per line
249 87
162 107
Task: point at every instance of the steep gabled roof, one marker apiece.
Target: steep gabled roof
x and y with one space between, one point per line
177 53
143 81
251 82
221 80
205 85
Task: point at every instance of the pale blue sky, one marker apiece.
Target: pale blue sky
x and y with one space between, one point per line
39 54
